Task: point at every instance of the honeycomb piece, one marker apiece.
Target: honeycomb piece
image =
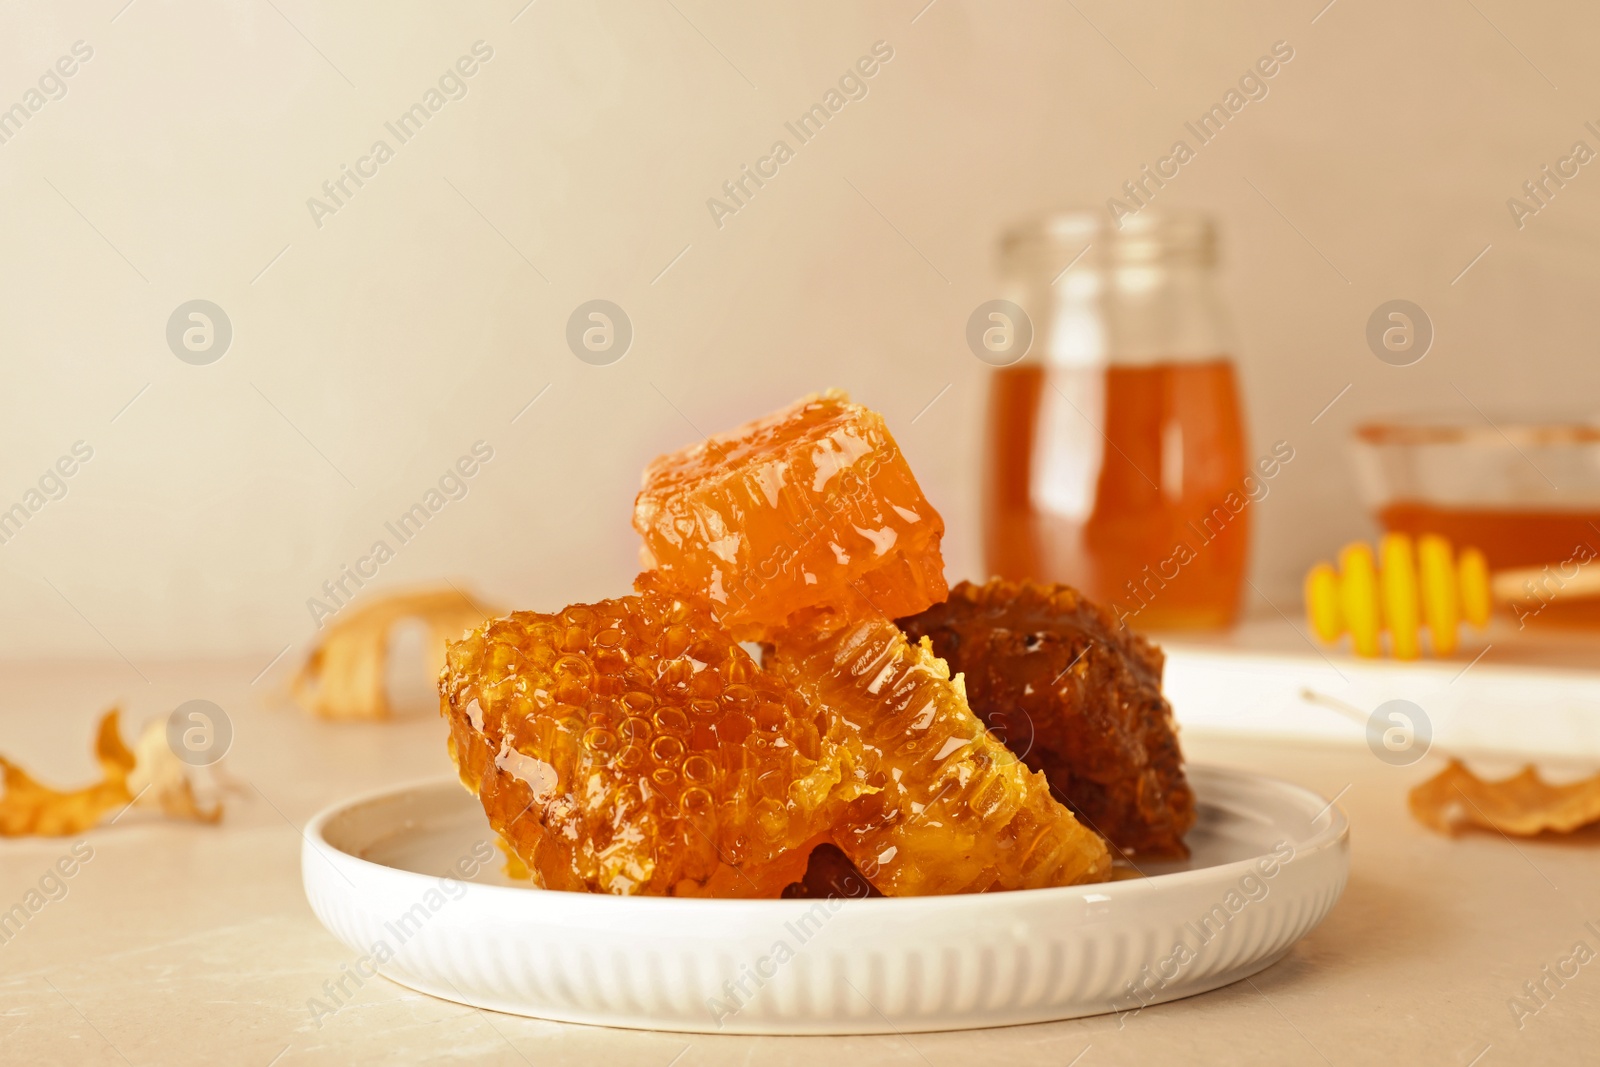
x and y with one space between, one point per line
830 876
631 747
954 811
812 505
1077 697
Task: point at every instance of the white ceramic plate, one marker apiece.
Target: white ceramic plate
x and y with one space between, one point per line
408 880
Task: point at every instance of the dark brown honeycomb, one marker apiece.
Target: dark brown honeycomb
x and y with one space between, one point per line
830 876
1077 697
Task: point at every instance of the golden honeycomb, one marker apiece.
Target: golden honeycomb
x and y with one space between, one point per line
630 746
813 505
951 810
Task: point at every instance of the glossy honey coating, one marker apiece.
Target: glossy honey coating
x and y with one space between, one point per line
630 746
1078 697
810 506
954 811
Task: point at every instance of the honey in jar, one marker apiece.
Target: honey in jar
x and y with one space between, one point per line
1116 457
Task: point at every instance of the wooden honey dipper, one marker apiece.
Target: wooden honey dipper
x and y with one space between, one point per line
1406 588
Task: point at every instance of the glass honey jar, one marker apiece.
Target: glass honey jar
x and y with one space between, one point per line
1116 451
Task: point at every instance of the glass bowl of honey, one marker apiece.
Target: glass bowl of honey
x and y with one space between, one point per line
1525 491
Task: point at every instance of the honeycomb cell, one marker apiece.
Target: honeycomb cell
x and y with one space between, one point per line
810 506
1078 697
630 746
953 810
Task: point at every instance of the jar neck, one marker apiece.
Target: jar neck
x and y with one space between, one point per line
1137 293
1140 314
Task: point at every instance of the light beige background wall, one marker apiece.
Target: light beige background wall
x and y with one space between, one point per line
372 351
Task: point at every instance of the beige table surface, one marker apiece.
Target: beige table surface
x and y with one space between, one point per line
180 944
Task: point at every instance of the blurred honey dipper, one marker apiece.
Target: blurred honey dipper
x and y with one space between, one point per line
1405 588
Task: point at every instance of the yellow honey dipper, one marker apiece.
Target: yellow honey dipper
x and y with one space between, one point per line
1400 592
